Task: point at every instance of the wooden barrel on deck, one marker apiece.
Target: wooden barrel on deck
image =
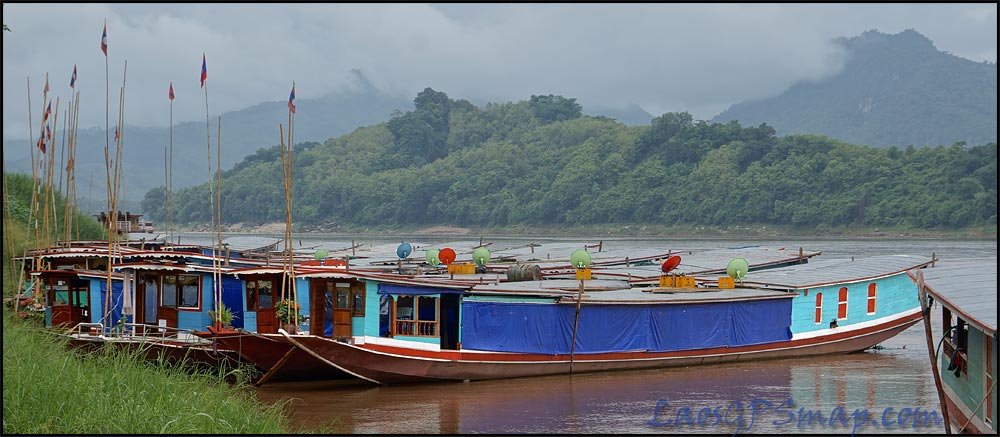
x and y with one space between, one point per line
524 272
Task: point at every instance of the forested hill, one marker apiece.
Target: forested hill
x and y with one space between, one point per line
541 162
893 90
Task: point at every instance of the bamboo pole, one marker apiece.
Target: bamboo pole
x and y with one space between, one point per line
289 194
218 222
170 174
925 310
211 194
576 324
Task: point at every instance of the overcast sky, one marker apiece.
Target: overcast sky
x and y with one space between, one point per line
699 58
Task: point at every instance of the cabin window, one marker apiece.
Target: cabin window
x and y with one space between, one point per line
872 292
842 303
358 303
169 296
181 291
962 335
260 294
819 307
416 316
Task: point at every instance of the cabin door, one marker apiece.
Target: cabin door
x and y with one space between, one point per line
342 310
139 306
330 312
449 321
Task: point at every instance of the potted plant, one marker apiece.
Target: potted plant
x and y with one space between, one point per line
222 319
287 312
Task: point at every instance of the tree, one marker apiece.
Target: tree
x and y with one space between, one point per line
552 108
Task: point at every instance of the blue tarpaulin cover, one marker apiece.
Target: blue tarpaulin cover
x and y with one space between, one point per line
413 290
548 328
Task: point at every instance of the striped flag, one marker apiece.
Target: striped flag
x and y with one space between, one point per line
291 100
170 93
46 90
41 143
104 39
72 80
45 116
204 70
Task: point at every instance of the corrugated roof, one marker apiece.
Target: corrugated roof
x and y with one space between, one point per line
820 272
968 286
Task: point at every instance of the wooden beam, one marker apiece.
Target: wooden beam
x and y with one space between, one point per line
274 369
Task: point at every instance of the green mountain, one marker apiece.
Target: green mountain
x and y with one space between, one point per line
893 90
542 162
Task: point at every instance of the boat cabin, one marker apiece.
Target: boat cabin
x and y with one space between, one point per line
967 358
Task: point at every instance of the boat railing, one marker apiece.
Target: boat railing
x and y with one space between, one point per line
417 328
131 330
92 329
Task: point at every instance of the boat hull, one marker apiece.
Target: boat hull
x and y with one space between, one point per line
154 350
398 365
267 353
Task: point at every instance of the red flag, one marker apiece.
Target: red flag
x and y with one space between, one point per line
170 94
48 133
291 100
104 39
204 70
41 143
48 111
46 90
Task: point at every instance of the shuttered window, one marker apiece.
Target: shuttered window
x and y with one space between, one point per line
842 304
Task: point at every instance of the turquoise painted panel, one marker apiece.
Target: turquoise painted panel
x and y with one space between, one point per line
431 340
357 326
192 320
250 321
895 294
371 309
96 306
509 299
48 316
302 294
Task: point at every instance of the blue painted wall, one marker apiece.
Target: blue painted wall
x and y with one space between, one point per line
191 319
250 321
895 294
370 326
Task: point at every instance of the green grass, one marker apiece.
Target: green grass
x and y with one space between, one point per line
49 389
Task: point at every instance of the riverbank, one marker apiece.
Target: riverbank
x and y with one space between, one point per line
48 389
613 231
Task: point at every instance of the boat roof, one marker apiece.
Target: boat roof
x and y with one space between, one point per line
602 291
823 272
966 286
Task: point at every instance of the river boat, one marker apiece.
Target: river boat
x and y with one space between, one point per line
396 330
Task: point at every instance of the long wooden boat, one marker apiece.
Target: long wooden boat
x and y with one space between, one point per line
965 357
531 328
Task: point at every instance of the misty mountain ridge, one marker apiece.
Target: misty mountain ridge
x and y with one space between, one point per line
243 133
894 90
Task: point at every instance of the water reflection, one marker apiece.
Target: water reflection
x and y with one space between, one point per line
625 401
